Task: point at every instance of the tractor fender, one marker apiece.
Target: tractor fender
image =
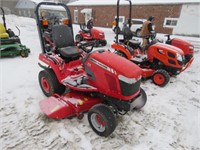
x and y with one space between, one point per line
56 64
123 49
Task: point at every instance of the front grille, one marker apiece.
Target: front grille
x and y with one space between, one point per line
181 63
129 89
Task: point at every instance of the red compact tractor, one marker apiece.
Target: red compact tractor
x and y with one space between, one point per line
184 45
158 61
76 80
90 35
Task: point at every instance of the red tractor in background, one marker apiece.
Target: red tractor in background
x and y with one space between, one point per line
76 80
158 61
90 35
184 45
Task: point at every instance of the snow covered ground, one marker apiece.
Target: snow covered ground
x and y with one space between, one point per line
169 121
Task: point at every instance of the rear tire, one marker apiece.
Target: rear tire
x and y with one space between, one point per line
160 77
49 83
102 120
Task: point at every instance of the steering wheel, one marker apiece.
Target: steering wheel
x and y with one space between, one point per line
82 26
83 45
153 35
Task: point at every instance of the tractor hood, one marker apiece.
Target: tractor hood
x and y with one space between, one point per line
97 30
181 41
115 64
168 48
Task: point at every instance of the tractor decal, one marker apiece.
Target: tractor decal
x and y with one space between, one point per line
103 66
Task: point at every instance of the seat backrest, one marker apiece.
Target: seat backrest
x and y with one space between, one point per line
127 34
62 36
3 33
2 29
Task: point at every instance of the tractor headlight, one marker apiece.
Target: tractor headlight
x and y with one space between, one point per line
179 57
101 34
128 80
191 47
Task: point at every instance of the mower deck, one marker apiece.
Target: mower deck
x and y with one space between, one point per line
71 104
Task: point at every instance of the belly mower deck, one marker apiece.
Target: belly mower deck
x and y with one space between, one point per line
70 104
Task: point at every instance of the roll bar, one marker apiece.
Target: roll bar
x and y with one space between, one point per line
39 23
117 19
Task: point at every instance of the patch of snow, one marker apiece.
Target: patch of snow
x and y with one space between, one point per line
169 120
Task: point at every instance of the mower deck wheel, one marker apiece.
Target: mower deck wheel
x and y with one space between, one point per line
160 77
49 83
102 120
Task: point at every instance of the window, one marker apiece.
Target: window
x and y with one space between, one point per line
24 13
29 13
170 22
75 16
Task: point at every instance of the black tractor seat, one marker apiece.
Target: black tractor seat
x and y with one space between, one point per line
86 30
70 51
64 41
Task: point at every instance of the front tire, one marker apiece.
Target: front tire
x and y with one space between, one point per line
160 77
24 53
49 83
103 43
102 120
78 38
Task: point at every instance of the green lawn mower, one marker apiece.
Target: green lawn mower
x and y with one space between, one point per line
10 44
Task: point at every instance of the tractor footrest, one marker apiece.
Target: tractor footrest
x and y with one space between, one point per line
80 82
139 58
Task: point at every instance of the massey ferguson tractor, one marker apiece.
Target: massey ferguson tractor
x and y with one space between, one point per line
77 80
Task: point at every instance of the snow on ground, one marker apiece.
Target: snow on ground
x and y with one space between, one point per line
169 121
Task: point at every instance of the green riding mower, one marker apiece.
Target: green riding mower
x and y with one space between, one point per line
10 44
